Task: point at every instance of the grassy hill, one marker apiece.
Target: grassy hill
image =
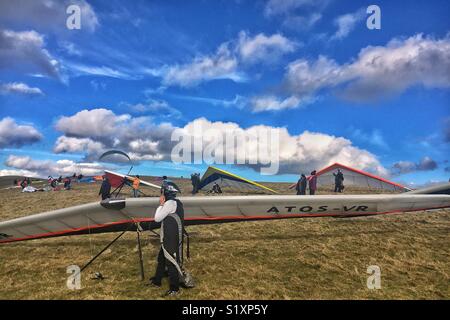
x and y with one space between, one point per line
320 258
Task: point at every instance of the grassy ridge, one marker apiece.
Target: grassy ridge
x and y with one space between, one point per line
321 258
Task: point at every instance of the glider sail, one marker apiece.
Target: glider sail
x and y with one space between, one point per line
355 177
112 152
116 180
124 214
226 179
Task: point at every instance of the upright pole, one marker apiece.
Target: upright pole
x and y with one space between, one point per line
141 263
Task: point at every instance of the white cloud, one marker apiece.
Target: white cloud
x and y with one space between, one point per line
226 62
272 103
78 69
378 71
91 123
221 65
15 172
97 130
25 51
47 15
70 49
43 168
263 48
347 22
15 135
297 153
73 145
19 88
144 140
158 108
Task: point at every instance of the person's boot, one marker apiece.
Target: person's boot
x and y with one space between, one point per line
171 293
154 282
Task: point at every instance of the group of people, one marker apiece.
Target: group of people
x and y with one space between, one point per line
311 182
53 182
105 188
25 182
304 181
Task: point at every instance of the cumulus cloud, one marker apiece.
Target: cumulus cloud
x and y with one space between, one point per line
25 51
15 135
19 88
96 123
304 152
144 140
347 22
400 64
72 145
402 167
226 62
43 168
97 130
47 15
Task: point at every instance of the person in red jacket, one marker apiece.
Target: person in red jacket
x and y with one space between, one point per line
312 179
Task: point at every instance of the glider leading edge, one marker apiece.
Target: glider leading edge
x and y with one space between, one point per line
124 214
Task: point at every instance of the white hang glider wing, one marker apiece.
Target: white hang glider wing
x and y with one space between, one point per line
123 214
227 179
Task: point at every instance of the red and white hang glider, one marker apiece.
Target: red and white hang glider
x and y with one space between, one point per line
116 180
355 177
124 214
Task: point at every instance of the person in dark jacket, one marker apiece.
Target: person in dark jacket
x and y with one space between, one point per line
195 180
338 181
312 183
171 215
105 189
301 185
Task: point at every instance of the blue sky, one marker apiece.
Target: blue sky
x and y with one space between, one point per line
377 100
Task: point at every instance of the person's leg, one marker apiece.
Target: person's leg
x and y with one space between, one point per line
160 269
171 246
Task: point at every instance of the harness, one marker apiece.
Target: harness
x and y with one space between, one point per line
167 255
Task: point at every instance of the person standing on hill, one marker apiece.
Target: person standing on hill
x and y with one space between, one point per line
301 185
136 183
312 183
105 189
338 181
171 215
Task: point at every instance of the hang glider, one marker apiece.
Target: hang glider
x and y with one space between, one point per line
116 179
226 179
124 214
355 177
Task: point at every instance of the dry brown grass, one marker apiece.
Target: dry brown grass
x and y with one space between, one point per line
320 258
